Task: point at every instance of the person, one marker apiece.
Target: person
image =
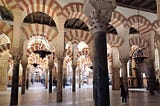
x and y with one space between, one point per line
157 85
55 83
124 93
32 80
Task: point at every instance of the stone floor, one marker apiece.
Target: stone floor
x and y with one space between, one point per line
39 96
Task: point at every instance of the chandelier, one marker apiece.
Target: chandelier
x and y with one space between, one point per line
139 56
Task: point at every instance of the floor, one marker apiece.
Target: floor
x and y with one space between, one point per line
37 95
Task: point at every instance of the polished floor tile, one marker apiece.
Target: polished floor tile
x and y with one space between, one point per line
39 96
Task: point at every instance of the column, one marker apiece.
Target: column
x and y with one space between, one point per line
50 77
46 81
3 72
115 79
152 77
24 65
59 79
99 13
79 75
16 54
124 71
27 79
74 78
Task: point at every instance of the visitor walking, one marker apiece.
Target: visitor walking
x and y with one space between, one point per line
124 93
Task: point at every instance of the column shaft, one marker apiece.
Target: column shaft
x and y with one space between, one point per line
100 77
15 83
59 80
50 79
74 79
115 79
23 78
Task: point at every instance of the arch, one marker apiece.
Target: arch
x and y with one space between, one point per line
140 23
156 25
4 43
74 10
30 6
118 19
75 36
30 30
6 29
157 44
114 40
142 43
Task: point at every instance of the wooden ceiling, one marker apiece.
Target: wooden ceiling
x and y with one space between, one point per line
144 5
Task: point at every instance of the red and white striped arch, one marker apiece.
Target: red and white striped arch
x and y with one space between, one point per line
109 58
34 58
6 29
118 19
30 6
114 40
36 46
75 36
142 43
31 30
4 47
156 25
70 8
85 51
140 23
157 44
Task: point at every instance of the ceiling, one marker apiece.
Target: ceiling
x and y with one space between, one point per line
144 5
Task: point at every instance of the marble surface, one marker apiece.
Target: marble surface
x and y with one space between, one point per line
39 96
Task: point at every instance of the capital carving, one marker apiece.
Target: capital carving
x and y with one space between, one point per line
99 13
16 54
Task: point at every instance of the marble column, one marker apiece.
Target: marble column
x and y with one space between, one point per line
3 73
59 79
50 77
79 75
152 77
99 13
115 79
124 71
16 54
24 65
74 78
46 81
27 79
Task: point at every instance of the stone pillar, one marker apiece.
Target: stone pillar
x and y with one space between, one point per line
124 71
59 79
74 78
46 81
99 13
79 75
27 79
115 79
50 77
24 65
16 53
152 77
3 73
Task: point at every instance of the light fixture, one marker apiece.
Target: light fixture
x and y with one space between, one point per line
139 56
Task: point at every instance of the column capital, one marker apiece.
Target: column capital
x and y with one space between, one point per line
16 54
124 60
99 13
